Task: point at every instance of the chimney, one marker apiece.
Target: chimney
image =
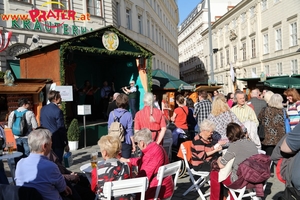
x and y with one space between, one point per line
217 17
229 8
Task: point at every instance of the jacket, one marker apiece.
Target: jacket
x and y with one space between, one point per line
252 173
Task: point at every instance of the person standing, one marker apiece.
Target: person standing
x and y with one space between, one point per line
112 105
293 106
165 107
52 118
180 114
132 94
257 103
31 124
202 108
156 104
106 91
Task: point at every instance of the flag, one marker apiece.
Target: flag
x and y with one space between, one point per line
4 41
232 72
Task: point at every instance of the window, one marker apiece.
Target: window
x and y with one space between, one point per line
221 59
264 5
279 68
152 35
118 14
253 71
221 79
156 38
227 56
252 11
140 21
243 17
267 70
294 66
266 43
293 34
253 48
234 54
216 58
244 51
148 28
94 7
278 42
128 19
65 5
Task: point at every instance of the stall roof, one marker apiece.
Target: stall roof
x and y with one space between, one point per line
207 88
24 86
92 42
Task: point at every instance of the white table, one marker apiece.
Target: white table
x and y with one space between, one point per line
8 156
87 169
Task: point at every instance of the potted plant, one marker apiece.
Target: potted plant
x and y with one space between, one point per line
73 135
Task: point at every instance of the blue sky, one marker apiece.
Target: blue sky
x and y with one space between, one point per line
185 7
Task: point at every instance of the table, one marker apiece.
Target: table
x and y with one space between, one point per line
8 156
87 169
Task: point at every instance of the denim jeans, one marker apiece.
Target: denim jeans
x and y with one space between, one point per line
22 146
132 105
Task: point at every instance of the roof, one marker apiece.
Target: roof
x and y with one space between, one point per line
208 88
24 86
93 41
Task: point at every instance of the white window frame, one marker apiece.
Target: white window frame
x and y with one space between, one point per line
221 59
267 70
148 29
128 18
140 23
235 54
294 66
278 39
293 34
266 43
227 56
96 9
253 69
253 48
57 6
244 48
279 68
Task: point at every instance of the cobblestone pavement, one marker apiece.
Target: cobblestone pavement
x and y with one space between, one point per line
273 190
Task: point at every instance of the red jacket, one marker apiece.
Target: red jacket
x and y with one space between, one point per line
253 172
152 158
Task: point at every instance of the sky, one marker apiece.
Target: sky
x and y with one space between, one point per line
185 7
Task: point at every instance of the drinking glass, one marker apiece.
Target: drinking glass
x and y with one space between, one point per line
94 159
10 147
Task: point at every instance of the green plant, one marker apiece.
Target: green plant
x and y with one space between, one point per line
2 74
73 131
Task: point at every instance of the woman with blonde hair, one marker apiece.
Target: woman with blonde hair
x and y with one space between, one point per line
165 107
271 118
267 96
151 118
221 115
293 106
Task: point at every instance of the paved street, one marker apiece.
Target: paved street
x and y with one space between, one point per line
82 156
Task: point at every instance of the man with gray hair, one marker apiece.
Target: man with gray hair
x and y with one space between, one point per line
112 105
37 171
257 103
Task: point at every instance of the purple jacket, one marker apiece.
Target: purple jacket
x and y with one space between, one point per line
126 121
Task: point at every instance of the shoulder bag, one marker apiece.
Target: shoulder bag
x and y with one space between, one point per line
286 122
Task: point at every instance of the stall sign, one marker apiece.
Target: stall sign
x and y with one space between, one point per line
66 92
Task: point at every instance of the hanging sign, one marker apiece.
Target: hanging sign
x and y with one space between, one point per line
110 40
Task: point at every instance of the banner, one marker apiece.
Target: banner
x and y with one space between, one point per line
4 41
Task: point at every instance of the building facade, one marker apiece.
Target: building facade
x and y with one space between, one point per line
190 45
151 23
255 37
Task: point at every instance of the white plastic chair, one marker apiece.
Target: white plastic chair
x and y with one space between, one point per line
203 176
242 192
128 186
165 171
168 147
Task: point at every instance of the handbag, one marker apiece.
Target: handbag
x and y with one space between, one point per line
286 122
261 131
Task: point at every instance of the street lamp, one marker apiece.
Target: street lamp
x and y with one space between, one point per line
210 45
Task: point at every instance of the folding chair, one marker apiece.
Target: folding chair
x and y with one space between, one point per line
128 186
243 192
203 176
168 147
167 170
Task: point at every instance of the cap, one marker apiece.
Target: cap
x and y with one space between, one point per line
132 81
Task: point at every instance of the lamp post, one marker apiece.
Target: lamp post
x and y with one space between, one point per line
210 45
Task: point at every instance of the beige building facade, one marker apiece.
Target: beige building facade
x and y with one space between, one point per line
255 37
152 23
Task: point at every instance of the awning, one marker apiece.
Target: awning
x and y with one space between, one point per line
22 88
15 67
207 88
166 81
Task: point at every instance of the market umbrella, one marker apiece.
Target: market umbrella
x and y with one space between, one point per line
283 82
167 81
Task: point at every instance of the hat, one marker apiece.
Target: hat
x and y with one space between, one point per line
132 81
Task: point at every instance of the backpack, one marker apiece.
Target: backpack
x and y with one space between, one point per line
19 126
116 128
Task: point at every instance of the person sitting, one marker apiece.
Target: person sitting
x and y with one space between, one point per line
240 148
153 156
204 149
112 169
38 171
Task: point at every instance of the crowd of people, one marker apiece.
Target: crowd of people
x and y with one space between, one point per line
243 126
